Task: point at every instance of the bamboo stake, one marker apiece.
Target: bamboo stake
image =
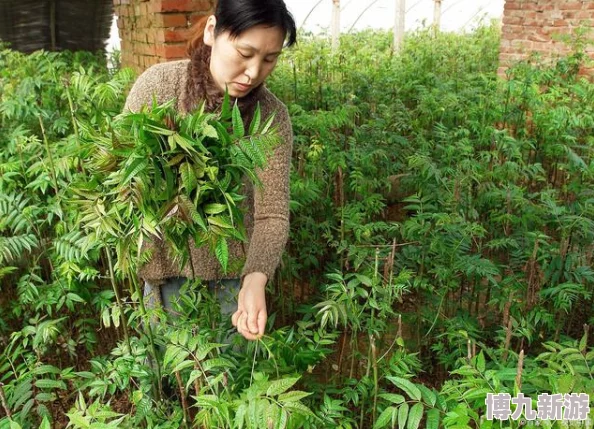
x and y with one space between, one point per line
399 22
335 24
437 16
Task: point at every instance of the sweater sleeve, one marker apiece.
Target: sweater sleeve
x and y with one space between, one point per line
151 83
271 204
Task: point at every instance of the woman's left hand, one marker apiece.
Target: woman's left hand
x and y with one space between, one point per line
251 315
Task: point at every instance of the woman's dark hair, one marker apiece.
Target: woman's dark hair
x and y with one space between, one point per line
237 16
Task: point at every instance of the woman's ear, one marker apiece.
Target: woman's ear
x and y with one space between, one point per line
209 30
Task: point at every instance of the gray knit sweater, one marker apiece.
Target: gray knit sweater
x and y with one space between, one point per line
267 214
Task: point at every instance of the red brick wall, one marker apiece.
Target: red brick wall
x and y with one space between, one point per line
530 25
153 31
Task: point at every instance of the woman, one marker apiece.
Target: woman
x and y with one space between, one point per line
235 49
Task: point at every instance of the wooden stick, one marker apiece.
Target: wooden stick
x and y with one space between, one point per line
4 403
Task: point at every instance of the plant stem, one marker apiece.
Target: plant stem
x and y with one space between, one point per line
118 300
149 332
4 403
375 378
184 402
49 155
74 126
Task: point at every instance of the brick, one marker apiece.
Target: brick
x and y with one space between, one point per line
538 38
512 5
522 45
171 20
144 49
151 36
571 6
173 50
512 20
512 29
180 5
584 14
515 13
178 35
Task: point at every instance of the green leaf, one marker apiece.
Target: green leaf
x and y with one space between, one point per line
412 391
295 395
45 397
78 420
205 349
415 416
74 297
134 168
210 131
46 369
214 208
393 398
45 423
50 384
255 124
566 383
226 106
385 418
280 386
583 343
480 362
283 421
105 316
219 221
428 395
188 177
116 315
238 128
240 416
433 419
402 415
222 253
299 408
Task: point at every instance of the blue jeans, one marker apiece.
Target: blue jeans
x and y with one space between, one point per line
225 290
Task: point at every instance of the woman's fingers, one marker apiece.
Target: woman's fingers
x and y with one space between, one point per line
242 325
253 323
235 317
251 326
262 318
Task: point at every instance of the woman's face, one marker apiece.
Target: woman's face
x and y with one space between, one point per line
242 63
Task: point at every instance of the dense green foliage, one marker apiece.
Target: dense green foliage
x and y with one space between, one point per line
441 247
